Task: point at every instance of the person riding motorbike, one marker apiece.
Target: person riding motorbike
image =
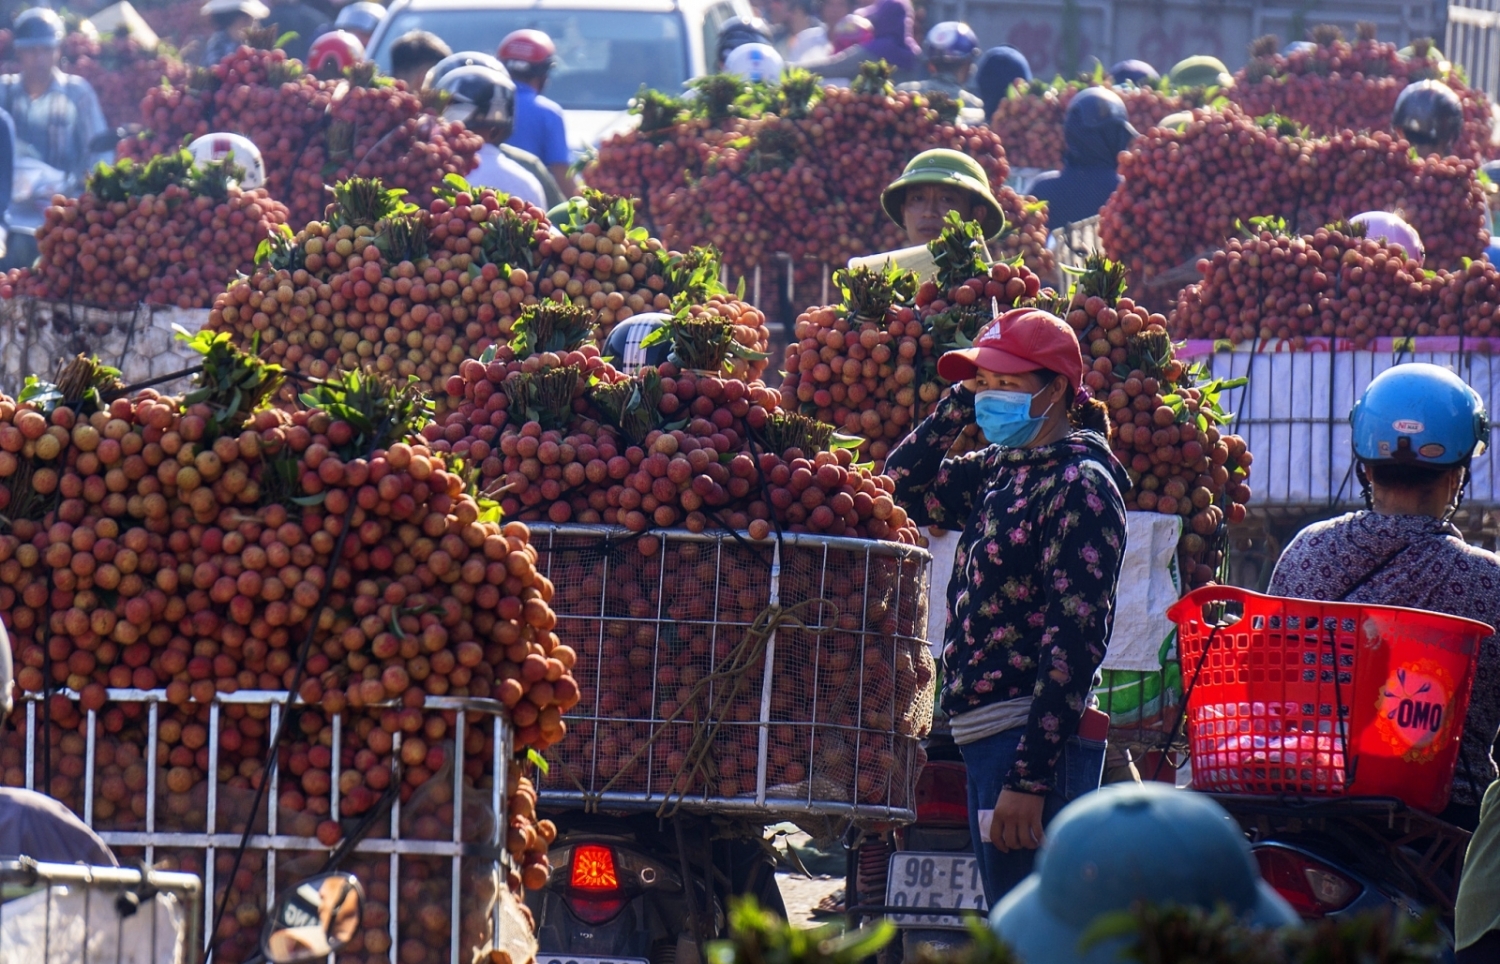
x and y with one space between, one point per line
483 100
35 825
1136 72
1032 595
333 53
1127 845
798 30
1415 430
890 39
539 128
1096 129
1430 116
999 69
756 63
415 53
1200 71
934 183
949 49
736 32
239 150
56 115
232 20
361 19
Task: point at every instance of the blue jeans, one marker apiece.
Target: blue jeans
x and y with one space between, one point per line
988 762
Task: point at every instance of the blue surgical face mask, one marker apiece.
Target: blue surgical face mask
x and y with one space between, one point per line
1006 419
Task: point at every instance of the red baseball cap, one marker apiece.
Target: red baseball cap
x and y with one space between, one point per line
1021 340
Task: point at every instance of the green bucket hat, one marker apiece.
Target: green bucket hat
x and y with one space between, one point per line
1200 71
942 166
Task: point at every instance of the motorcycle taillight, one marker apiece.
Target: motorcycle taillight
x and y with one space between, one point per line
943 793
1313 888
594 893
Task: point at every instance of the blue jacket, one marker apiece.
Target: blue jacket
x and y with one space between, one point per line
1094 141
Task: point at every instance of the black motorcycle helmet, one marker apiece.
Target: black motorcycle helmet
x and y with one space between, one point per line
479 95
737 31
463 58
1429 115
623 346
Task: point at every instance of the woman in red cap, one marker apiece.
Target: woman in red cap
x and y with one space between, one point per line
1032 595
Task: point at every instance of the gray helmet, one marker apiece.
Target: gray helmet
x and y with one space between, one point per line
463 58
1429 114
479 94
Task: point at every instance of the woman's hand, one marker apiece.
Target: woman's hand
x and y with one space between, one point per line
1018 821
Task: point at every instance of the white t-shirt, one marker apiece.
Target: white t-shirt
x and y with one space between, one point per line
806 42
497 171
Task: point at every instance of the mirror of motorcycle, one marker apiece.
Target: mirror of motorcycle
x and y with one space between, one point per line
313 919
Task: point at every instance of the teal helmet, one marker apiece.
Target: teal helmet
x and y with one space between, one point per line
1419 414
1123 844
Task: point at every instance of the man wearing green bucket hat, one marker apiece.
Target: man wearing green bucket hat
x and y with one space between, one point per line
1124 845
1200 71
934 183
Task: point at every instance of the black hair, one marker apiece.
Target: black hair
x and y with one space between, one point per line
1084 411
226 18
1399 475
415 48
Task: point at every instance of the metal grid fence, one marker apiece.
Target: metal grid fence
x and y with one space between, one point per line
775 678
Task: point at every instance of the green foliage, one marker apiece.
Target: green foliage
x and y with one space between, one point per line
80 384
544 397
233 383
281 250
630 405
983 947
367 201
658 111
1268 222
874 78
785 431
381 410
959 252
550 326
1102 278
402 237
799 91
606 210
701 344
693 275
868 293
759 936
128 179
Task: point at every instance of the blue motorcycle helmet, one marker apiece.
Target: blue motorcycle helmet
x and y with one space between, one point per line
1123 844
1136 72
1418 415
623 346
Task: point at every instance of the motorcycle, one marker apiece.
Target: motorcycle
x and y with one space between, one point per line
1342 856
637 889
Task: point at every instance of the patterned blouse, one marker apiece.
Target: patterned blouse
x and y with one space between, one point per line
1033 590
1421 563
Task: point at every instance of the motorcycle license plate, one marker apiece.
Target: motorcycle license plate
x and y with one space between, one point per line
934 882
543 957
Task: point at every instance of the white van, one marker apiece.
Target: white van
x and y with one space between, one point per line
606 49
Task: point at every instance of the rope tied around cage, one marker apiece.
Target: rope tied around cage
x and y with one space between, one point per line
739 670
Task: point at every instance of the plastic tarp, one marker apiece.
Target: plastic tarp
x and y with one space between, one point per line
51 925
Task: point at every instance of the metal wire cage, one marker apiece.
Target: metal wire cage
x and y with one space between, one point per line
71 914
434 869
776 678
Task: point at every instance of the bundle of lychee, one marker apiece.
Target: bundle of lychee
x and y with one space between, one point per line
1165 420
169 232
1186 192
604 262
869 364
1340 86
189 545
793 173
383 285
1030 120
120 70
1332 283
311 132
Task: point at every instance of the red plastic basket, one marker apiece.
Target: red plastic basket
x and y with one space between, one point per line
1324 699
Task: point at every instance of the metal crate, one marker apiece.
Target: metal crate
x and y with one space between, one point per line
466 847
696 695
65 914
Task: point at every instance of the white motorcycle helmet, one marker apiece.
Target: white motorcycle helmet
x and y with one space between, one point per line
756 63
240 149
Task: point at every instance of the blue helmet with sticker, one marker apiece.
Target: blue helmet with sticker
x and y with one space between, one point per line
1419 414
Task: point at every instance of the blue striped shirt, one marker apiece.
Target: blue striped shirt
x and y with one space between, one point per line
58 125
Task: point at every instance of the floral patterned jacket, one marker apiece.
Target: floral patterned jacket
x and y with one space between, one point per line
1032 596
